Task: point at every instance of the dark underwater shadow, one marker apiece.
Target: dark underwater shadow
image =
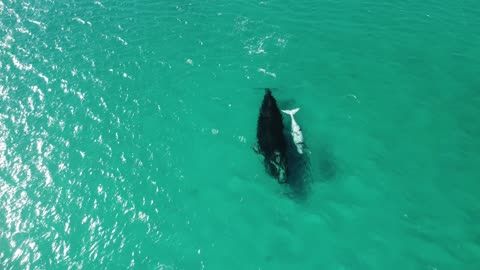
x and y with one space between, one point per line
314 165
299 172
326 164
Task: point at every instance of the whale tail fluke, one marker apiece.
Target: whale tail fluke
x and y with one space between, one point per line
291 112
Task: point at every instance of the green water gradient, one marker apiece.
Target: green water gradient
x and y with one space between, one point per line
126 134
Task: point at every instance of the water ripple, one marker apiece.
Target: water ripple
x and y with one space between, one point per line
96 124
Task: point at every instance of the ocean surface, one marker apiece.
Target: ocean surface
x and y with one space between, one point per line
127 127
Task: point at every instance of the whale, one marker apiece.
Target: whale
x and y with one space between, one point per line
296 130
271 142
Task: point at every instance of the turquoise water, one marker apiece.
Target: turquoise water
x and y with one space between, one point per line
126 133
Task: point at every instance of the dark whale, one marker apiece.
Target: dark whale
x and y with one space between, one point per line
271 141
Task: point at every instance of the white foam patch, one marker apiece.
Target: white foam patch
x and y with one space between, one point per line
257 48
122 41
40 24
3 146
6 42
267 72
19 65
3 93
78 20
99 4
45 78
281 42
39 146
354 97
24 30
44 170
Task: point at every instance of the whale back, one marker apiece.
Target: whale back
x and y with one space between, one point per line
270 137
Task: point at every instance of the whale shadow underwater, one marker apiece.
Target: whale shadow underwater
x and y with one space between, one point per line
283 158
299 173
